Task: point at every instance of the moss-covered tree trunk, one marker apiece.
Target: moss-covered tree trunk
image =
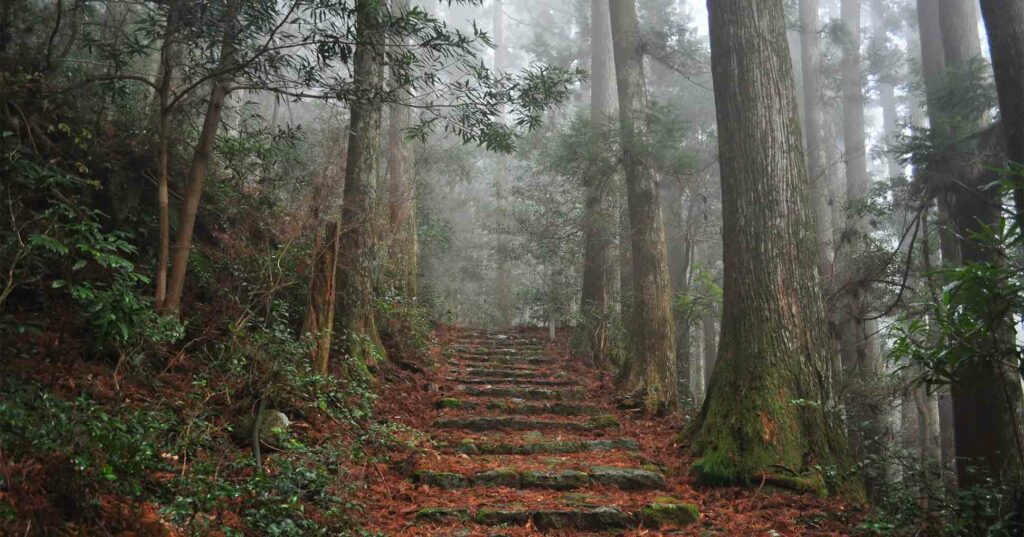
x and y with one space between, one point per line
355 316
652 369
599 220
769 405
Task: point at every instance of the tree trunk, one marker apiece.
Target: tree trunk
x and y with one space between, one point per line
163 150
861 353
319 321
652 349
200 164
401 193
503 273
810 67
774 346
710 335
1004 21
355 288
599 220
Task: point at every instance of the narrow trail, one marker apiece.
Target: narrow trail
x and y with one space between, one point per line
523 441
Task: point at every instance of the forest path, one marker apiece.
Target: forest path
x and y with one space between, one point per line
521 439
509 436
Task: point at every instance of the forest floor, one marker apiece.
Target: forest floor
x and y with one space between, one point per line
520 440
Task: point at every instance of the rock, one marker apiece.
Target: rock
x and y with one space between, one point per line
533 394
273 429
627 478
502 477
606 421
539 446
511 423
669 513
562 480
444 480
451 402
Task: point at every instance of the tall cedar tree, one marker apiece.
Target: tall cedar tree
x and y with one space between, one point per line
986 392
401 191
1004 20
651 375
355 315
769 403
600 221
861 352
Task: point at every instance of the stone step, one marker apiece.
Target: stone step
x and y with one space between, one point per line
663 513
621 478
493 372
546 447
462 364
531 394
511 406
511 380
512 423
508 360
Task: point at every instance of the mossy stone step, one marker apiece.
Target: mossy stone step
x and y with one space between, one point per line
511 406
512 423
463 364
486 372
531 394
507 360
622 478
511 380
545 447
658 515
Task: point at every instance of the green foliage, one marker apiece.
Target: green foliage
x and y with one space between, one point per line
704 295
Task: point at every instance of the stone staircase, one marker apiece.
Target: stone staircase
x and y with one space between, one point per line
522 442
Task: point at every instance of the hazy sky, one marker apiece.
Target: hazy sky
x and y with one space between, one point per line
698 9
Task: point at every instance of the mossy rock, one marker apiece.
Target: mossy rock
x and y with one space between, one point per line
501 517
606 421
438 514
563 480
501 477
500 423
669 513
627 478
714 470
273 429
452 402
444 480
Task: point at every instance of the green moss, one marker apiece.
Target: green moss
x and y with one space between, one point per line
449 402
670 512
604 422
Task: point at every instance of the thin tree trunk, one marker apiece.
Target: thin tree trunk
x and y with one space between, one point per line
774 344
653 369
710 335
355 288
503 273
599 221
164 118
200 164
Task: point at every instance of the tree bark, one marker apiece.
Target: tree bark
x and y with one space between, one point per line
401 193
652 375
319 321
200 164
1004 21
599 220
355 288
774 346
